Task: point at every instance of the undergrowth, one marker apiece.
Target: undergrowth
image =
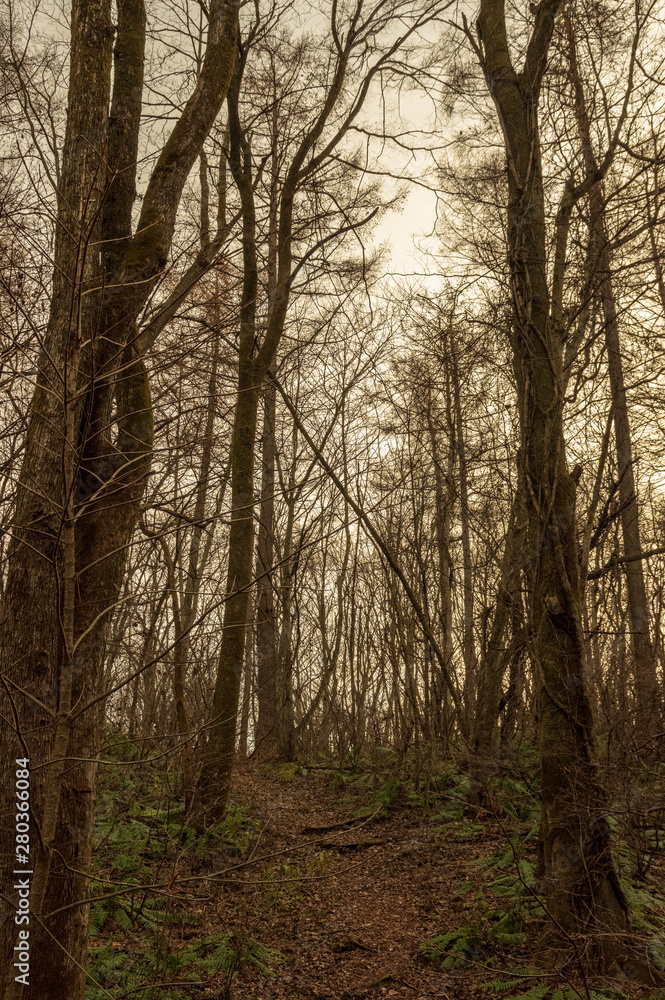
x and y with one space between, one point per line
151 942
150 973
147 939
505 914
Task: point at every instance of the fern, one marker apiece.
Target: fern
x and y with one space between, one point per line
502 887
502 986
462 831
123 920
537 992
388 793
454 949
98 913
196 963
512 940
152 915
657 949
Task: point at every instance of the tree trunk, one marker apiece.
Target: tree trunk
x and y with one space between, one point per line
647 695
80 487
215 777
468 646
184 603
266 632
498 654
577 871
286 744
330 652
247 685
180 651
443 480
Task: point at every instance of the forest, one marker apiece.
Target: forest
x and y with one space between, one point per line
332 549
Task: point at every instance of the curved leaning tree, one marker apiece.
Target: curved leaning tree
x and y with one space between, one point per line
86 459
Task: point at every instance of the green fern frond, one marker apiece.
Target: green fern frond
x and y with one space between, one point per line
98 914
123 920
657 949
537 992
514 939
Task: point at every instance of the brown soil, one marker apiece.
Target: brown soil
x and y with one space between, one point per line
345 908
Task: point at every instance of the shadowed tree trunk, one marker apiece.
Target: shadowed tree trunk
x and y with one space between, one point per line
468 645
286 734
267 737
443 495
499 653
577 871
330 649
85 463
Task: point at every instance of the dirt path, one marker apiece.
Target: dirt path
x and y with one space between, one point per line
347 908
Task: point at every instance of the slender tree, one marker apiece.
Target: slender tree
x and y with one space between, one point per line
601 286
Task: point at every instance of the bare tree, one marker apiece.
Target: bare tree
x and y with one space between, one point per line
87 456
577 870
356 44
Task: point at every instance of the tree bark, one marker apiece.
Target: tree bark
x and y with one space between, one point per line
443 479
499 652
577 871
286 742
215 777
468 645
266 632
84 467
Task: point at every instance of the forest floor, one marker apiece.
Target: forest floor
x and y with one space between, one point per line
327 883
370 893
